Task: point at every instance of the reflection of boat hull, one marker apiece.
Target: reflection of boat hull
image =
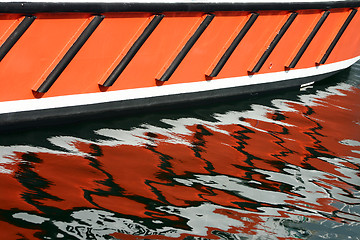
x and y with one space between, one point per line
81 66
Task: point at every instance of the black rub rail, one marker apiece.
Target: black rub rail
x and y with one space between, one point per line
70 54
16 35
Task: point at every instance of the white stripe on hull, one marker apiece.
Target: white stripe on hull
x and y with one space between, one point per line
165 90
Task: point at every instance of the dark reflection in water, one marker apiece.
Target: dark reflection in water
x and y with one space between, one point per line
282 166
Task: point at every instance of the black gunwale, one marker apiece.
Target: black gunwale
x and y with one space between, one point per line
102 7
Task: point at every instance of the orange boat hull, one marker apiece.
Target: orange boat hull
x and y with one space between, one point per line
48 72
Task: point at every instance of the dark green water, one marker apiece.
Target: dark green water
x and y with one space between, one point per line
276 166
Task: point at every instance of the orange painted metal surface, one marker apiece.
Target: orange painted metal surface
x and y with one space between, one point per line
8 23
100 54
292 41
39 49
228 22
323 38
50 36
253 44
161 48
349 43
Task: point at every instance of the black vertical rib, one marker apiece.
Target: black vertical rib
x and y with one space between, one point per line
308 40
190 43
338 36
70 54
16 35
273 44
233 45
133 50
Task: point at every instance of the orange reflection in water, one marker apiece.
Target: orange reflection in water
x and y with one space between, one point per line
243 174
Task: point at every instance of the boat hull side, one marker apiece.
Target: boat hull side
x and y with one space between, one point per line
42 117
66 66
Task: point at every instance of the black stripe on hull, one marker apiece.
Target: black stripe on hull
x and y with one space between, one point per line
273 44
99 7
132 51
70 54
338 36
62 115
308 40
184 51
16 35
233 45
